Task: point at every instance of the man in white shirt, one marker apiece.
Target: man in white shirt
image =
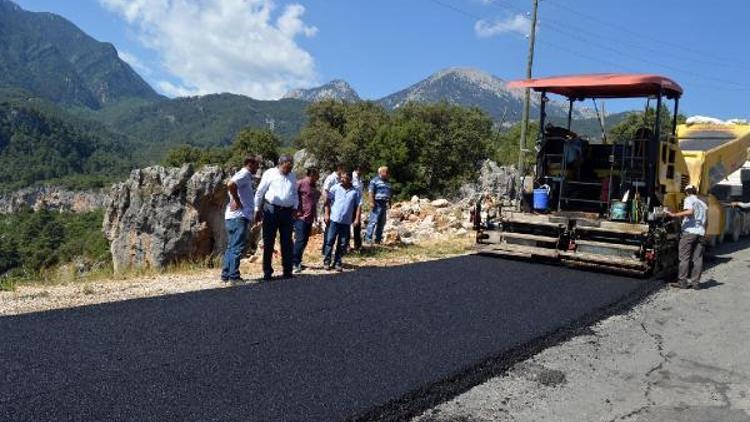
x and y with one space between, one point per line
238 214
357 225
276 202
691 240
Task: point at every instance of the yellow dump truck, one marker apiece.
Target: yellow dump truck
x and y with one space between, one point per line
712 153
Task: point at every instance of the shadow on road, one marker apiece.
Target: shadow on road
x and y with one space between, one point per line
710 283
728 247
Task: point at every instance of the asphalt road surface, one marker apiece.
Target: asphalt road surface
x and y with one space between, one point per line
376 343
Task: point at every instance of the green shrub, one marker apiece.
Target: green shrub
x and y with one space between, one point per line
33 242
431 149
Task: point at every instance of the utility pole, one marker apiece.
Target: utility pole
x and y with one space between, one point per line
526 101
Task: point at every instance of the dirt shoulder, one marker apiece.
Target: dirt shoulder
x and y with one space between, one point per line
32 297
679 356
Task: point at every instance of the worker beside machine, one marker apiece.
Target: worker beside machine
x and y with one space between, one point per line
692 239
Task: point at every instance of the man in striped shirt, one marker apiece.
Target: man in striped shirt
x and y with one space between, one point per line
380 199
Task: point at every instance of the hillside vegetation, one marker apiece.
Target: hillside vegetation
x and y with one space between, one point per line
52 58
32 243
207 121
39 143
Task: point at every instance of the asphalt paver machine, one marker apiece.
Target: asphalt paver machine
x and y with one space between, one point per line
596 204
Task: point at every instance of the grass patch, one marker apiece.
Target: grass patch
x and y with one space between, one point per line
431 249
7 284
32 296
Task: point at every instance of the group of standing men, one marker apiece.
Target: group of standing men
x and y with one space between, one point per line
289 207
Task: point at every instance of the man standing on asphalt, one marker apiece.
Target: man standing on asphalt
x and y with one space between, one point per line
330 181
342 209
357 184
237 216
692 239
307 211
380 198
276 203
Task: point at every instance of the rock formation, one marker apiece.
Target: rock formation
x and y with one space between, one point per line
303 159
496 181
160 216
53 198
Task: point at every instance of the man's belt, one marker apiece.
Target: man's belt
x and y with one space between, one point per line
280 207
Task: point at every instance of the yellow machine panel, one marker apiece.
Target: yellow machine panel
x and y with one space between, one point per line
711 152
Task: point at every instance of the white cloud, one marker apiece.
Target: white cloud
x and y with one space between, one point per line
171 90
519 24
135 63
208 46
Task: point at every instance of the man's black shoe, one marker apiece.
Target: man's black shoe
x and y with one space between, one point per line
267 277
236 280
678 285
695 286
287 275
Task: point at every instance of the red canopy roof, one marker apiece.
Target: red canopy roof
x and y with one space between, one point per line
603 85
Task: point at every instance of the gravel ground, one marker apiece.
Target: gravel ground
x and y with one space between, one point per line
678 356
42 297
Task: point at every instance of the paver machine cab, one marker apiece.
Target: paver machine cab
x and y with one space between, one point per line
596 204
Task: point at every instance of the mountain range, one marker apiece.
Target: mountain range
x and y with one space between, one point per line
52 70
49 56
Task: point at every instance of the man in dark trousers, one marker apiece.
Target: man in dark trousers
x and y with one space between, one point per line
342 209
357 175
692 242
380 198
237 216
330 181
276 203
307 212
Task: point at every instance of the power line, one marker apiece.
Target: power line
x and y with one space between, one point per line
738 64
592 42
704 80
629 31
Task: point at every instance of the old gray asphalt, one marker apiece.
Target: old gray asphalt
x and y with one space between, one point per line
312 348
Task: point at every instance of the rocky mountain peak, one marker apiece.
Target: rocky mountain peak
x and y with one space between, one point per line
337 89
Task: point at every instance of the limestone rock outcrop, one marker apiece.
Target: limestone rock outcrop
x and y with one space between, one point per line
160 216
53 198
495 181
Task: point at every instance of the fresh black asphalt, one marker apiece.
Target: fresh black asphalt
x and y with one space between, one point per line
312 348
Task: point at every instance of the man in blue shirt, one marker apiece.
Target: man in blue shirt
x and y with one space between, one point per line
380 198
342 209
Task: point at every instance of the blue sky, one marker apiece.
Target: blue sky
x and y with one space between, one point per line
385 45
